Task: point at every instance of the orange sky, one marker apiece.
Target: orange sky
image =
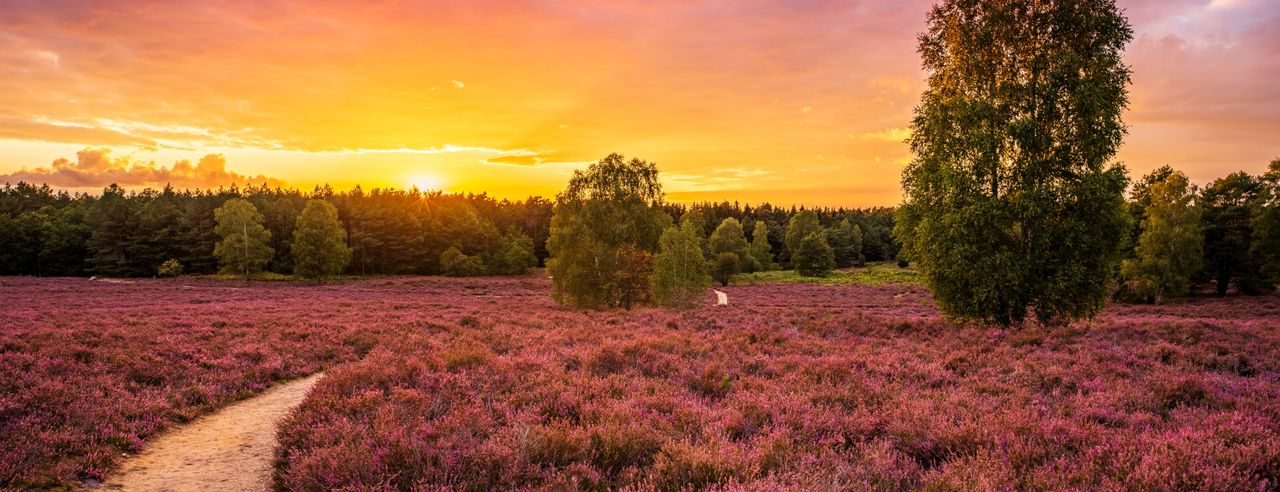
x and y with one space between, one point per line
791 101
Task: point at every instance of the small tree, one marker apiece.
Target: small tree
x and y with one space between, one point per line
695 222
846 240
1227 206
455 263
813 256
801 225
319 243
1170 248
725 266
728 238
170 268
679 275
760 247
516 258
613 205
243 248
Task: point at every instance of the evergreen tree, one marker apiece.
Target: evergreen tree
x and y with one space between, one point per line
760 247
319 243
813 256
112 220
1170 248
679 275
1013 204
244 246
65 245
608 215
1227 207
846 242
729 238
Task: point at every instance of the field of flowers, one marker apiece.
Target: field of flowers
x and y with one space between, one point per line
90 369
810 387
484 383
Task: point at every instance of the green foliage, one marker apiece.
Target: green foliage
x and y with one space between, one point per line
813 256
729 238
243 247
725 266
112 220
801 225
878 273
602 222
20 240
319 244
170 268
455 263
1012 206
1170 248
1227 207
631 269
761 253
1265 250
516 258
695 222
679 275
64 248
1139 200
846 240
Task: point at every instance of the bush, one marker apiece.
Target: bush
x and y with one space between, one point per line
813 257
456 264
679 275
903 263
170 268
726 266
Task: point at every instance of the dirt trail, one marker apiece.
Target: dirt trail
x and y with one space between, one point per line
231 449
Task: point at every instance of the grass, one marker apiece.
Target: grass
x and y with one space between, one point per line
880 273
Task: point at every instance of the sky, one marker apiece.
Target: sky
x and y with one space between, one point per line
787 101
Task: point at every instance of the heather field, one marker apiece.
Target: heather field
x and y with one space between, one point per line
485 383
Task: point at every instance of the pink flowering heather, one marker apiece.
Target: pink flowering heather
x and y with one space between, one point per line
481 384
796 387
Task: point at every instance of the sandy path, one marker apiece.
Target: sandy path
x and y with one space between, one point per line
232 449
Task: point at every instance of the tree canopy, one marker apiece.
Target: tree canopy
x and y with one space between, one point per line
1170 248
319 243
609 217
243 248
1013 206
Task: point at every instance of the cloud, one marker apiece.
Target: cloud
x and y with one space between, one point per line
95 168
459 84
897 135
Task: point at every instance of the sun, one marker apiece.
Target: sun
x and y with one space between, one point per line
426 183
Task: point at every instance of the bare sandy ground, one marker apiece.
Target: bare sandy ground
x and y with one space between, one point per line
231 449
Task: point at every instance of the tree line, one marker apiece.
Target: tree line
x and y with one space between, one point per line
614 242
122 233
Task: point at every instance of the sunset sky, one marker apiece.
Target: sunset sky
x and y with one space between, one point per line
791 101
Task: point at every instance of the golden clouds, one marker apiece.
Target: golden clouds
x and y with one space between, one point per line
95 168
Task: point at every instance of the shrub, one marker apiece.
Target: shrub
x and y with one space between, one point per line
679 275
813 257
170 268
726 266
456 264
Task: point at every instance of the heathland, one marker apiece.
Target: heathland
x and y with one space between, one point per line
486 383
